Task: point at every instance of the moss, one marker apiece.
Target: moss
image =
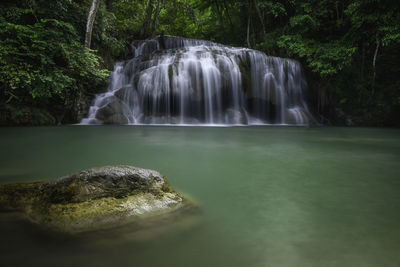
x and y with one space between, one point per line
245 70
170 72
171 76
101 213
18 196
94 199
286 70
39 207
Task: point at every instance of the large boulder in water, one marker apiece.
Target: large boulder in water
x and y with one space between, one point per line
113 113
94 199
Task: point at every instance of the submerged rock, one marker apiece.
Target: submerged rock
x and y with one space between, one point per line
94 199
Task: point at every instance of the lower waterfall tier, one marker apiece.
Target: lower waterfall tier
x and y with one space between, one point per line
174 80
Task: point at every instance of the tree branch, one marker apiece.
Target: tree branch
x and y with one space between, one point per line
374 63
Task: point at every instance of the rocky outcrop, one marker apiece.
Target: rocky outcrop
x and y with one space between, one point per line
94 199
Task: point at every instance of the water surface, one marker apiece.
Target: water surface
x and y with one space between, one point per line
270 196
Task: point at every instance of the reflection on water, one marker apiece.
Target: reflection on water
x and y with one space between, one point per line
270 196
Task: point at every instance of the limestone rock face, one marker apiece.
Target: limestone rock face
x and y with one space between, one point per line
94 199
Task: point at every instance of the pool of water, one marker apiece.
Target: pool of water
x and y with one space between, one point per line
269 196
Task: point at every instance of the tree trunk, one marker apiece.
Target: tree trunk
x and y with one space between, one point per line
229 16
248 25
155 19
260 17
374 63
219 12
147 20
362 60
90 22
337 10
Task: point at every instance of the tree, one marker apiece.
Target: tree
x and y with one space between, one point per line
145 28
90 21
155 19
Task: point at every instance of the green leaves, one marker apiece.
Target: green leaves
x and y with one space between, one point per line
304 23
325 59
46 61
274 8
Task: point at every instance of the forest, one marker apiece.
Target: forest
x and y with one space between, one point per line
51 66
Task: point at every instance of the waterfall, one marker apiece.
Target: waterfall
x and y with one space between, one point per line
172 80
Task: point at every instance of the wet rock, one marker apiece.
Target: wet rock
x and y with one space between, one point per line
113 113
123 92
94 199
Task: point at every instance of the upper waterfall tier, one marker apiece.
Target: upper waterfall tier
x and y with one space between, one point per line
174 80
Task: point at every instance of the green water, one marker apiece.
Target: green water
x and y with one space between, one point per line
270 196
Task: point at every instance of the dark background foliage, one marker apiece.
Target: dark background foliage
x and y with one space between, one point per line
350 50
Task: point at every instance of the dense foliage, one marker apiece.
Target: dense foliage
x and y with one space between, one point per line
43 66
350 50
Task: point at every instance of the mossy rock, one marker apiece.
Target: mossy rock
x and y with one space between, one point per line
94 199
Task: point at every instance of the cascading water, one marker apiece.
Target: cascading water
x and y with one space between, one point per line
174 80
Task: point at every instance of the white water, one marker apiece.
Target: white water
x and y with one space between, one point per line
181 81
